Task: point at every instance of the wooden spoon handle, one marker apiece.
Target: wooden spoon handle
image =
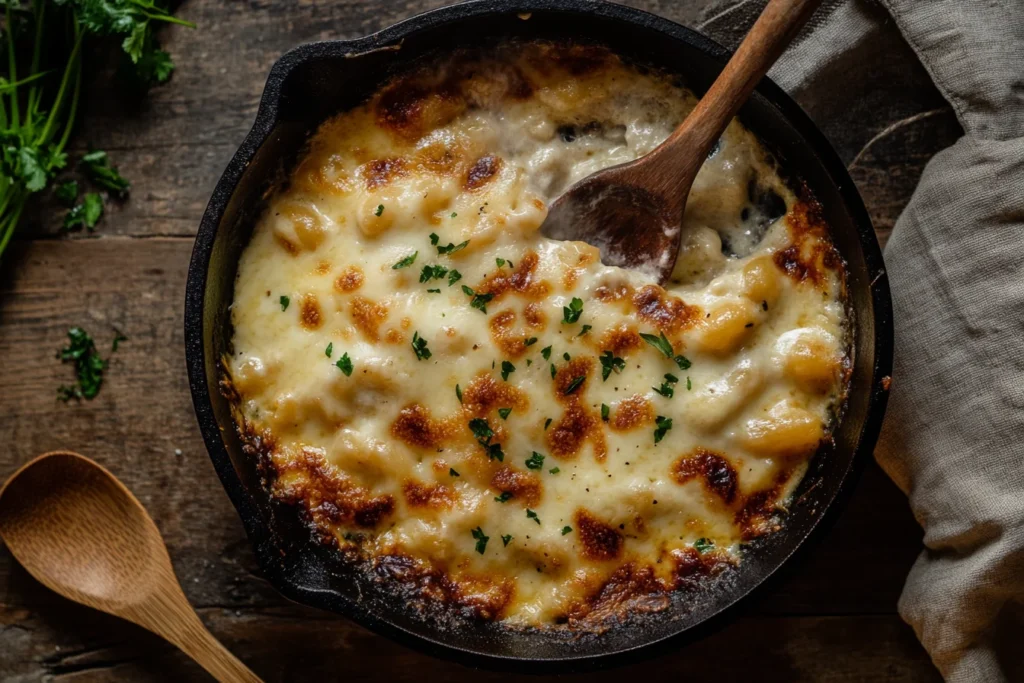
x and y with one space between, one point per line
778 24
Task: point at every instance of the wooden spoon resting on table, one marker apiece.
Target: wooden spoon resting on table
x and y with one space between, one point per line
633 212
82 534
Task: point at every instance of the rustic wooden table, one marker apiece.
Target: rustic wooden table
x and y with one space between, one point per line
832 618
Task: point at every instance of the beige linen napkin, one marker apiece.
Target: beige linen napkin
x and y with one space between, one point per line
954 434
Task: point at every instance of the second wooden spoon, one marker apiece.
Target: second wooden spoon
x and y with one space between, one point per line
633 212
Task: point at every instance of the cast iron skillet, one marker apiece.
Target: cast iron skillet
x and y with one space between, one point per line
314 81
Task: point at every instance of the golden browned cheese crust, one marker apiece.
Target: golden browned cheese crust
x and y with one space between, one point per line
497 424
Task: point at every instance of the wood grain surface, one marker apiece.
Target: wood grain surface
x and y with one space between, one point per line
833 617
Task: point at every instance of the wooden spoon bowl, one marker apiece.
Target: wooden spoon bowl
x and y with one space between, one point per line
81 533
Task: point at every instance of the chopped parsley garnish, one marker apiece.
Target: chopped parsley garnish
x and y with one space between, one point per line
574 385
584 330
609 362
529 362
458 393
535 461
504 412
379 211
481 430
433 291
554 470
573 311
504 497
453 277
683 362
284 302
452 472
566 530
506 539
481 540
89 366
663 425
118 338
479 301
605 411
666 389
566 356
345 365
546 352
554 371
406 262
87 214
659 342
67 193
689 384
702 545
329 350
434 238
530 514
419 345
431 272
454 214
547 423
500 262
452 248
530 341
506 369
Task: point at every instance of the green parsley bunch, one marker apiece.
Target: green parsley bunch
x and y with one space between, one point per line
41 67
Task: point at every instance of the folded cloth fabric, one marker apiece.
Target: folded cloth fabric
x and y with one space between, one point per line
954 434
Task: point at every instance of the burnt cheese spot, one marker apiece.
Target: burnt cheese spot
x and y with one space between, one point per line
368 316
692 568
578 424
524 486
511 341
611 293
632 413
523 280
350 280
717 474
423 587
380 172
756 515
535 316
811 256
485 394
309 312
630 590
322 268
330 496
435 496
410 109
414 426
666 312
598 541
394 337
481 172
621 339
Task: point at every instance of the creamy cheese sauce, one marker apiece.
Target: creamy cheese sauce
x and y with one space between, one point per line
432 379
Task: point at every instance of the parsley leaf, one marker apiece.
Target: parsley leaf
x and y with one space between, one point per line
481 430
547 423
666 389
535 461
504 497
453 473
453 277
432 273
481 540
67 193
609 362
97 167
566 530
702 545
605 411
500 262
406 262
284 301
504 412
689 384
506 369
452 248
659 342
573 311
530 514
434 238
554 371
458 393
530 341
419 345
574 385
379 211
87 214
506 539
663 425
554 470
584 330
329 350
89 366
546 352
683 362
345 365
433 291
479 301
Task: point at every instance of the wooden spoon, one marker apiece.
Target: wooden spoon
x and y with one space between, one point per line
82 534
633 212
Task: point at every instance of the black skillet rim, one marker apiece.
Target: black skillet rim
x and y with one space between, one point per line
263 125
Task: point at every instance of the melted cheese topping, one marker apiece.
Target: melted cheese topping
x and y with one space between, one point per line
434 380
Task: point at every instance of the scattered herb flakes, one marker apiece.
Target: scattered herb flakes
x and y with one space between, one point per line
663 424
481 540
97 166
554 371
458 393
67 193
453 473
530 514
504 412
529 362
506 369
667 387
483 433
566 357
434 238
530 341
406 262
659 342
605 411
118 338
689 384
433 291
547 423
329 350
345 365
500 262
610 362
494 452
453 277
419 345
430 272
584 330
566 530
452 248
535 461
89 366
379 211
479 301
554 470
683 362
702 545
504 497
453 216
546 352
506 539
574 385
85 215
284 302
573 311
